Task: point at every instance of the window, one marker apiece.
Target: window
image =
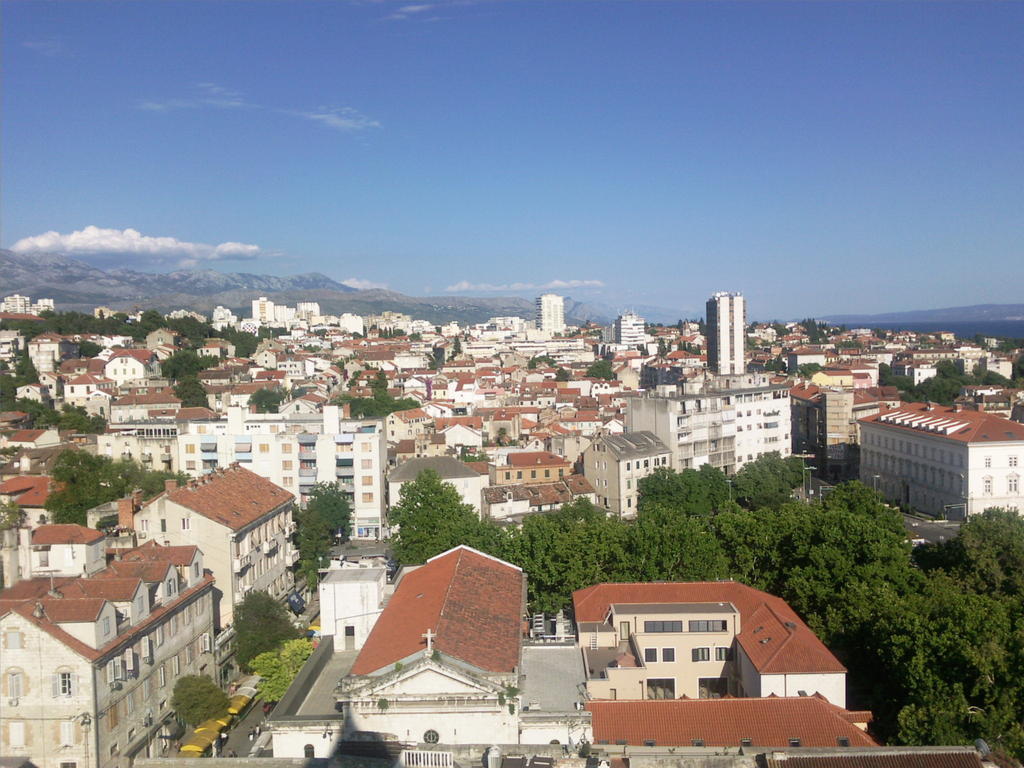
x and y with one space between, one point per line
668 654
190 465
163 526
16 733
714 625
988 462
367 463
264 448
368 498
1012 483
663 626
431 737
186 523
14 641
650 654
15 689
285 448
367 480
162 675
987 485
701 654
661 688
190 448
176 665
106 626
308 751
67 733
1013 461
794 742
723 653
286 465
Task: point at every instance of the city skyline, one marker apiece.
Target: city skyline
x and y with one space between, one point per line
493 148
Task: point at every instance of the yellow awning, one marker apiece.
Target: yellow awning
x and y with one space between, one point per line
238 702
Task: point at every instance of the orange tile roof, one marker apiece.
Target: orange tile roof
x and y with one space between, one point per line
65 533
534 458
28 490
231 496
473 602
961 758
767 722
773 636
948 423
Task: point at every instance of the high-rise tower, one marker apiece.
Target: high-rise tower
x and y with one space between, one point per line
727 325
551 313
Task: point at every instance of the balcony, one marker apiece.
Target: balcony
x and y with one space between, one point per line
269 546
241 562
293 557
307 472
307 455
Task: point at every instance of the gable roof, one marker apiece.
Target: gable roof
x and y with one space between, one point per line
65 533
900 757
472 601
445 466
772 635
233 496
27 490
767 722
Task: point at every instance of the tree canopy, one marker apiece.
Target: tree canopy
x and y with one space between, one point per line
279 667
327 514
261 624
266 400
601 369
197 698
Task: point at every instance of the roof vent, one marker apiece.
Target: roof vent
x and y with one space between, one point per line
790 624
38 611
765 640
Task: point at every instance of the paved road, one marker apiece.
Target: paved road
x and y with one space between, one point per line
931 531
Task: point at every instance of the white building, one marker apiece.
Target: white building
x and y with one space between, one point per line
89 664
763 422
296 451
615 465
352 597
242 521
466 480
551 314
727 322
630 330
263 310
307 310
223 318
943 460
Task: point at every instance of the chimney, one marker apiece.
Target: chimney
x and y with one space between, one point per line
171 485
137 499
126 513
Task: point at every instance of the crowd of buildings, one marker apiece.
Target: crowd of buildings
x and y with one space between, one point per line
520 416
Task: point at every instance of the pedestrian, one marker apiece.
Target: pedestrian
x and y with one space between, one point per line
252 734
258 729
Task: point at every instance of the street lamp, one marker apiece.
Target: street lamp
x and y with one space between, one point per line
807 480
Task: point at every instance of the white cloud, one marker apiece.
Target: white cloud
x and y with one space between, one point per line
47 47
363 285
158 251
206 95
340 118
406 11
465 285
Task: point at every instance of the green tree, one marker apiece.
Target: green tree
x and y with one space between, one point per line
278 668
669 545
266 400
456 347
562 375
192 393
693 492
261 624
331 503
432 518
768 481
600 369
197 698
541 360
807 370
88 348
186 364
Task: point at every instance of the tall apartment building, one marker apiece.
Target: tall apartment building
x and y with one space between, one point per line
727 322
763 421
89 662
296 451
630 329
943 460
697 424
551 313
263 310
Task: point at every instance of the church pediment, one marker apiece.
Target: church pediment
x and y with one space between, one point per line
425 678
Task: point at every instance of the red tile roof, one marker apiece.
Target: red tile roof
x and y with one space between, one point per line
768 722
905 758
773 636
949 423
26 436
473 602
65 533
234 496
534 458
28 490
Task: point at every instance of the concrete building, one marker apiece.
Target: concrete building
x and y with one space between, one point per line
763 421
630 330
727 323
700 640
296 451
466 480
696 423
352 597
89 663
242 521
550 314
943 461
615 465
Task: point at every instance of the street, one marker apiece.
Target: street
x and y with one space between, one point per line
931 531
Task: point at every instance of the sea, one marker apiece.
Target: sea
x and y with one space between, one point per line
1004 329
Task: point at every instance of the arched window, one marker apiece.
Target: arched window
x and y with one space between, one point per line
308 751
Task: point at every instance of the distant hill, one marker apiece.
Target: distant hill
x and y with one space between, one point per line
76 285
995 313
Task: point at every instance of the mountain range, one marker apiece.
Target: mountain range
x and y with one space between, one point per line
76 285
985 313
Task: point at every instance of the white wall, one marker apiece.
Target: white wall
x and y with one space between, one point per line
832 686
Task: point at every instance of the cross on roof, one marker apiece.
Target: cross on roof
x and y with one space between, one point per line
429 635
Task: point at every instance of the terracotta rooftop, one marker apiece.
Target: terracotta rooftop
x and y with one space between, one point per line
65 533
473 602
28 490
234 496
773 636
767 722
534 458
954 758
948 423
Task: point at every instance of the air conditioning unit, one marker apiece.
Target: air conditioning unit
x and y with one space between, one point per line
12 702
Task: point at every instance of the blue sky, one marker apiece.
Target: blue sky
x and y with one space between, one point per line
820 157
